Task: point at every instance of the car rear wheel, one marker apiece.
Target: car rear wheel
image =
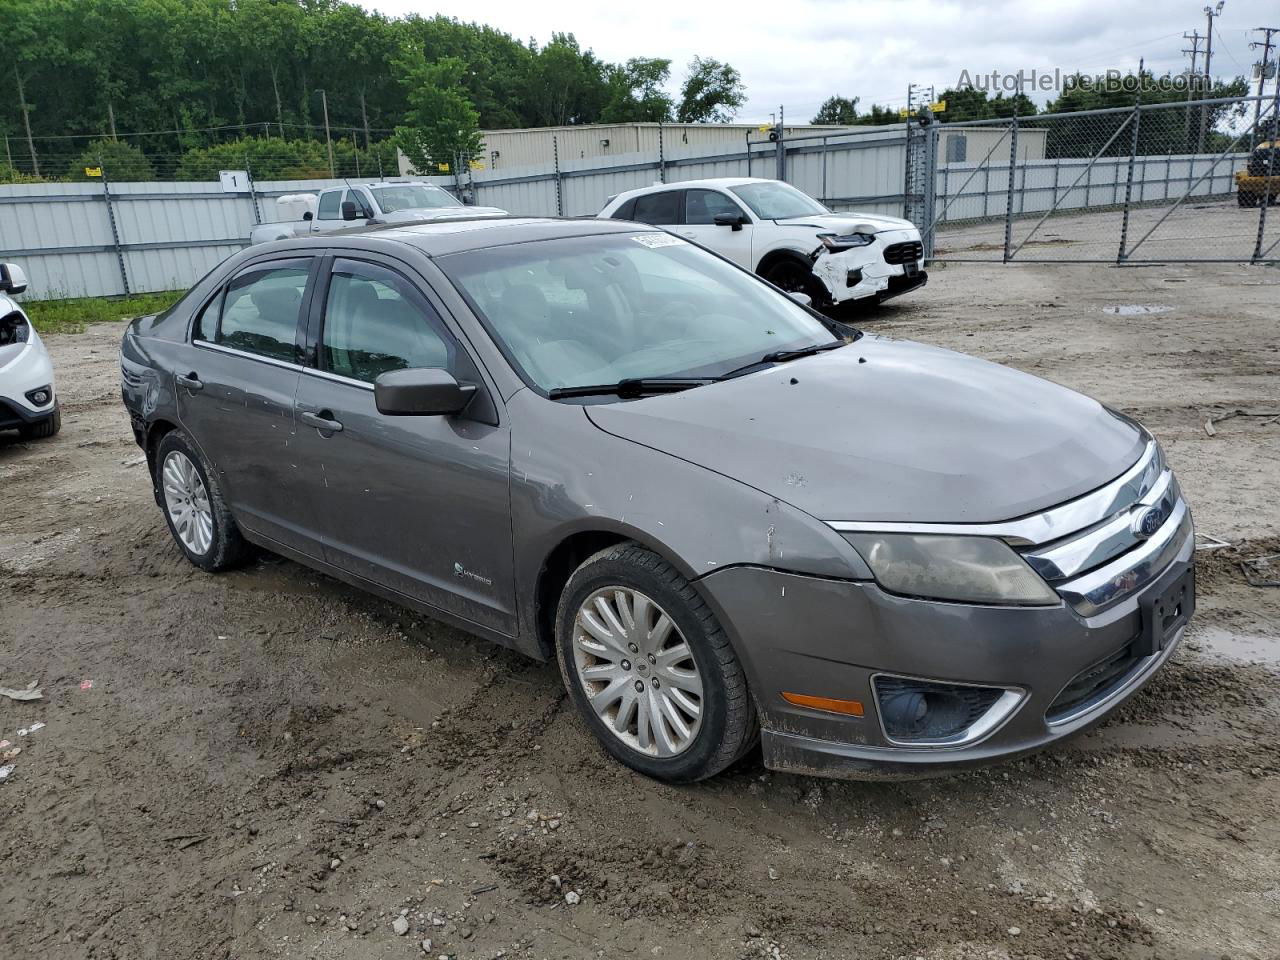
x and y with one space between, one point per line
650 670
194 508
1246 199
44 428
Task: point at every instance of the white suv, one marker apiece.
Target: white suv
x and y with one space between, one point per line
784 235
27 399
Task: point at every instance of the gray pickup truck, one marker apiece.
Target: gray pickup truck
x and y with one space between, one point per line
365 204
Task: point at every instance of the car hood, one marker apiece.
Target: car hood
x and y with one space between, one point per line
890 430
441 213
845 223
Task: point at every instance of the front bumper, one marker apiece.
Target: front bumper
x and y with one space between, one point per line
867 272
27 370
831 638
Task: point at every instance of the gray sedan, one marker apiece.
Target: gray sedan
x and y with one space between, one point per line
730 520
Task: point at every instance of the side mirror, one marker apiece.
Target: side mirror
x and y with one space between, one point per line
801 298
12 278
308 216
421 392
349 211
732 220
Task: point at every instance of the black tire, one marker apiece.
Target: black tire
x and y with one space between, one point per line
227 548
44 428
795 276
729 727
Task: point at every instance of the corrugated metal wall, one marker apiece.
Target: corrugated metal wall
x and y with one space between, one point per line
167 235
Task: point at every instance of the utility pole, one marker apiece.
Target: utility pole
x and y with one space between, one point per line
1210 13
111 120
328 142
1195 38
1266 45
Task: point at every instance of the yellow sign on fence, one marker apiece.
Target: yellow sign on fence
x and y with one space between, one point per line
93 171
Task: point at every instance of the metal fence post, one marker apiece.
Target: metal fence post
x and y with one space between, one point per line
253 192
555 158
115 229
1265 200
662 157
748 153
930 183
1008 204
1128 183
824 170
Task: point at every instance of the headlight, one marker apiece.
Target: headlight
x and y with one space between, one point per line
836 244
972 569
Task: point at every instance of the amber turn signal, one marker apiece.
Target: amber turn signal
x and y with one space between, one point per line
850 708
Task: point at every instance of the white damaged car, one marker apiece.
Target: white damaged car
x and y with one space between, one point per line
785 236
27 399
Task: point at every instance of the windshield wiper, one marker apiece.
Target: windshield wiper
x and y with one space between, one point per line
782 356
633 387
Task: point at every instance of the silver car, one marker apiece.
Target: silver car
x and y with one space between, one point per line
730 520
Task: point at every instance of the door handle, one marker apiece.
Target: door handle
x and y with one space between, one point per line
690 234
191 381
322 421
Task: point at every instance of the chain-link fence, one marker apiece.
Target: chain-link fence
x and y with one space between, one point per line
1151 183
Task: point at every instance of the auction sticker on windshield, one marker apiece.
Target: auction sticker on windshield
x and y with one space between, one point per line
652 240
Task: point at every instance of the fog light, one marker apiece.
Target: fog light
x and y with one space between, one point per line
40 396
921 711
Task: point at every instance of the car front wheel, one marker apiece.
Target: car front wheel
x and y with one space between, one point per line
194 508
649 668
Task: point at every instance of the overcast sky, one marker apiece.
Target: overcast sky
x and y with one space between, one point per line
799 52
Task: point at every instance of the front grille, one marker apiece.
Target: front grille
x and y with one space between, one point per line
943 710
908 252
1093 683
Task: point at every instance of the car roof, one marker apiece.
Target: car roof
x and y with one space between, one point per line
712 183
437 238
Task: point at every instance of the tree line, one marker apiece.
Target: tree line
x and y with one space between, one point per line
270 68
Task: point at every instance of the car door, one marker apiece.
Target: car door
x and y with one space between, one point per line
236 399
419 504
329 212
701 207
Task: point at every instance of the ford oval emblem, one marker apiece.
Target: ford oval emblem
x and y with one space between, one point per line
1147 521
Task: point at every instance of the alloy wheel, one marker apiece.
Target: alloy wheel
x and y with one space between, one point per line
638 671
187 502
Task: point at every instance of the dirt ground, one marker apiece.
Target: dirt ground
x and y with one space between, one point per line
269 763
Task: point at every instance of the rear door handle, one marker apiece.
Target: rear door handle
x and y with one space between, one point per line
321 421
191 381
690 234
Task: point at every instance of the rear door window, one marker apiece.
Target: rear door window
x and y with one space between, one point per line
658 208
260 309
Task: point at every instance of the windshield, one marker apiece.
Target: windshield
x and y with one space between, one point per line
775 200
581 311
413 196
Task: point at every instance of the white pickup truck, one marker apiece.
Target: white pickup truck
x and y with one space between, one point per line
366 204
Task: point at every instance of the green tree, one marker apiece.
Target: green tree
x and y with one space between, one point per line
878 117
712 93
441 124
1170 130
121 162
636 93
837 110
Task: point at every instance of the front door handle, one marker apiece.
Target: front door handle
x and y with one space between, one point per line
690 234
322 421
191 381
